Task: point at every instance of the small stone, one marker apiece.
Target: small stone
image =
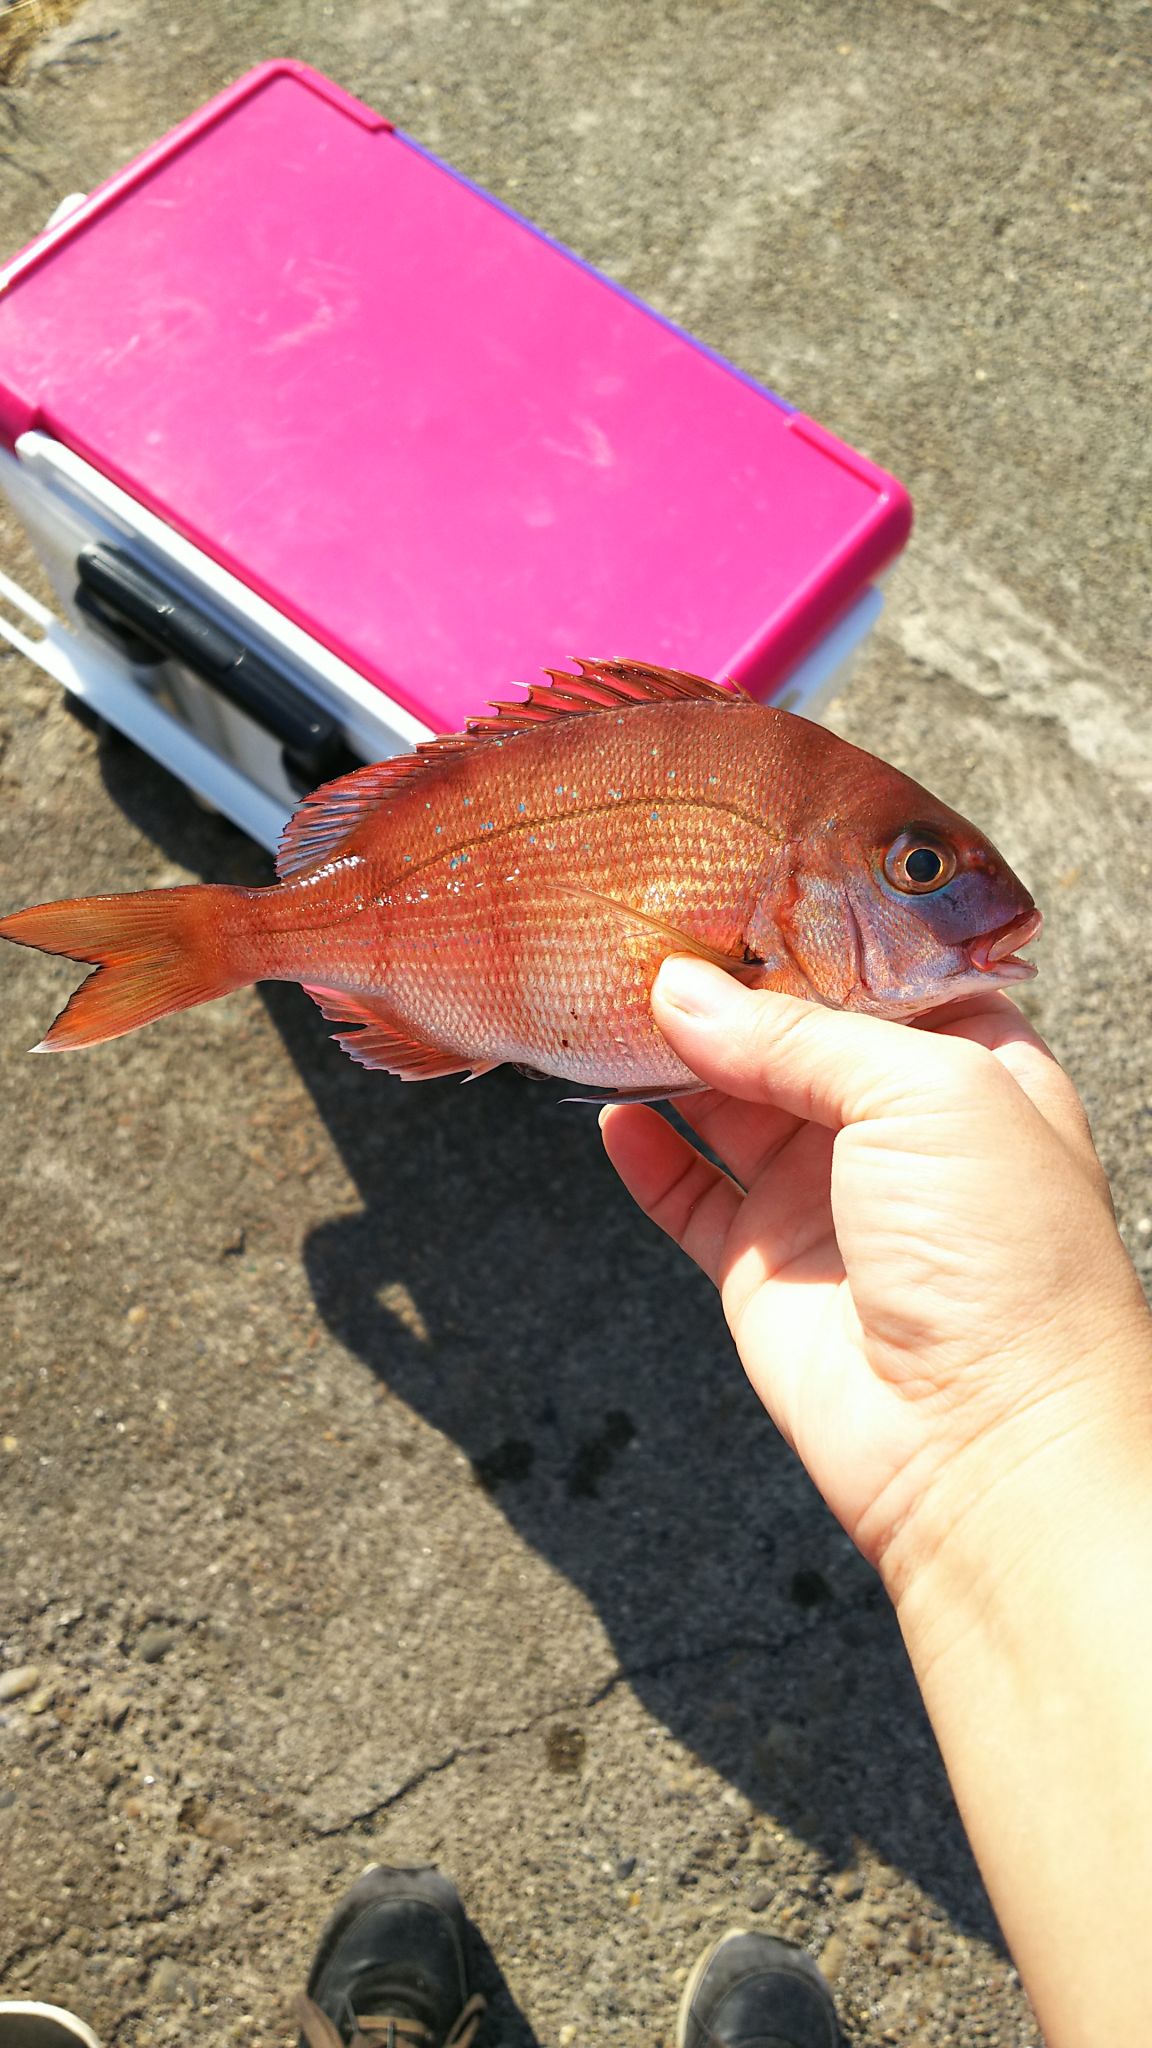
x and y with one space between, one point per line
39 1702
833 1957
172 1983
155 1643
10 1444
209 1822
115 1710
564 1748
137 1315
625 1867
847 1884
893 1959
14 1684
7 1798
880 1916
760 1898
104 1769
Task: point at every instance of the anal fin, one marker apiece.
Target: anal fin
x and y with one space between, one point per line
378 1041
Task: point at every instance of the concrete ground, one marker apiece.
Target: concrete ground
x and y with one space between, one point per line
375 1483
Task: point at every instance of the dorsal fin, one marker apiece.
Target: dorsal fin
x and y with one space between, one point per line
327 819
600 686
329 814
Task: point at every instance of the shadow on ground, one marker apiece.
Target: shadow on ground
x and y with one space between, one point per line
582 1367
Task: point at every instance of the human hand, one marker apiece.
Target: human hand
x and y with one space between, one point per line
915 1250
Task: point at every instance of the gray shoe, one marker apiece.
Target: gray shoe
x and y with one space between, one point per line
25 2024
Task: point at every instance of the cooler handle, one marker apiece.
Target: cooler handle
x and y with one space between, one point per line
150 622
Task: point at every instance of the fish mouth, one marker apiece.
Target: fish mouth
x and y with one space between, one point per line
995 952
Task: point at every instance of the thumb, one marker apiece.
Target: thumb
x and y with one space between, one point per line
831 1067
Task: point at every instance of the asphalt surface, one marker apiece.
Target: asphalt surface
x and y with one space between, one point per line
374 1483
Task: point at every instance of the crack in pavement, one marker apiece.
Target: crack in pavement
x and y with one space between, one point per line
623 1675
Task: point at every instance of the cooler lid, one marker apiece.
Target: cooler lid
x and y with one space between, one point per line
425 432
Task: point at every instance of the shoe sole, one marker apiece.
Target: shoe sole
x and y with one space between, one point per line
68 2028
693 1984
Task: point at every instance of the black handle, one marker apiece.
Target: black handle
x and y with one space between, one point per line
151 623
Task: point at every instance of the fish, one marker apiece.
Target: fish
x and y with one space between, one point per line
507 894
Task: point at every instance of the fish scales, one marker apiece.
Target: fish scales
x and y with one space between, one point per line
476 949
509 895
483 952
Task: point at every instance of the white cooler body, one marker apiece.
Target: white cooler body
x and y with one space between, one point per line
182 717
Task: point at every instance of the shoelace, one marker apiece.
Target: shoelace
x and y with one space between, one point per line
382 2030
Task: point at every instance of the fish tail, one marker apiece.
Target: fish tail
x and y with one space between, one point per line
155 951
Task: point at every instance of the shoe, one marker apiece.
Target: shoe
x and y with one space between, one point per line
756 1991
390 1969
25 2024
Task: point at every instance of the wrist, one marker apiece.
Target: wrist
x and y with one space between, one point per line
1011 1513
1023 1600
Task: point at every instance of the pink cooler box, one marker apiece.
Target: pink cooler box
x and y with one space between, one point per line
322 447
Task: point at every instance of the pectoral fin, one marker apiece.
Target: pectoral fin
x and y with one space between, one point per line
677 941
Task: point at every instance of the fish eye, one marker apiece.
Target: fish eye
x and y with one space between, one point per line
917 862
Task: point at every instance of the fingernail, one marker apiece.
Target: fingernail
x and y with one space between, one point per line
695 987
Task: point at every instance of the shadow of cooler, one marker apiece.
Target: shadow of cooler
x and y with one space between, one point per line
321 447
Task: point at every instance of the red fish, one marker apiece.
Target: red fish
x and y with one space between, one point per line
508 893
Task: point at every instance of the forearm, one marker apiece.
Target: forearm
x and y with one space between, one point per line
1030 1630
